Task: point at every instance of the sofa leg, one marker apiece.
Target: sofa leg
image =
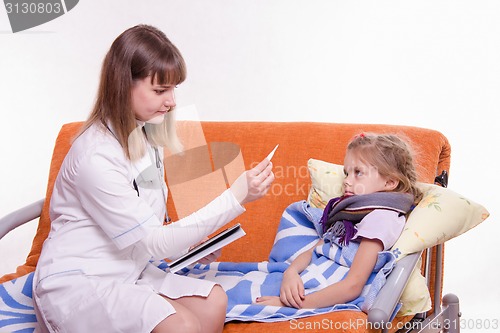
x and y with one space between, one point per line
444 320
451 314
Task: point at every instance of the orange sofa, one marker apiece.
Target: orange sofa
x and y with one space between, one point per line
299 141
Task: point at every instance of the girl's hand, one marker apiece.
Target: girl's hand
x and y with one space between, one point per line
292 289
254 183
269 300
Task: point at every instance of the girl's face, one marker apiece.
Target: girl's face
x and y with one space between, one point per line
363 178
151 101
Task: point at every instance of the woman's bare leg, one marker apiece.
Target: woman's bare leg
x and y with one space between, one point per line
196 314
183 320
210 310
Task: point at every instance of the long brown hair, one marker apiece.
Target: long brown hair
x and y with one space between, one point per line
137 53
391 156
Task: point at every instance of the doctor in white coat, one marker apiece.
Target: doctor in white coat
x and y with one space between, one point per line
108 208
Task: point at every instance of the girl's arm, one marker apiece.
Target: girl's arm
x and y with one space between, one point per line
343 291
302 260
292 287
349 288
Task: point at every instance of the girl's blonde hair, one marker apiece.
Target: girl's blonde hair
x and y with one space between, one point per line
391 156
137 53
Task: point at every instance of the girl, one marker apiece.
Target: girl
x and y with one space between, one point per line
379 189
108 208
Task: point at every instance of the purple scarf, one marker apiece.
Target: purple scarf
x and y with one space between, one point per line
343 213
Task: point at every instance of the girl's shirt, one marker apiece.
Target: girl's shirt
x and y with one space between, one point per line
382 224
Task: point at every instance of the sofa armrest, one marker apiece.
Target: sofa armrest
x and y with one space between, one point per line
20 216
388 297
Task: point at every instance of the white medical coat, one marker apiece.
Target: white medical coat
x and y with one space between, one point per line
91 275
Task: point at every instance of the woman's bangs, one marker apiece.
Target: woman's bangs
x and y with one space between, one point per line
168 72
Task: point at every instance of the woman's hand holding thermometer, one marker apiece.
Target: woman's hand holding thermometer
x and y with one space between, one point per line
254 183
271 154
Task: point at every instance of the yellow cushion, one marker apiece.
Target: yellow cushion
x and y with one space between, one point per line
327 179
416 297
441 215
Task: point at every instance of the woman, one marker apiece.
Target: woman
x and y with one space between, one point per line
108 208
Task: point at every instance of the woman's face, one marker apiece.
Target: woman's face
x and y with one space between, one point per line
363 178
151 101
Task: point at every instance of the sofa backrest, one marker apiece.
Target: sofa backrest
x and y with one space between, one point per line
299 141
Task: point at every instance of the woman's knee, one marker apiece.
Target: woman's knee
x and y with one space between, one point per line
180 321
191 325
183 320
218 299
197 314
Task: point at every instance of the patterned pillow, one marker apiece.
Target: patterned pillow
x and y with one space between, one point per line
327 180
440 216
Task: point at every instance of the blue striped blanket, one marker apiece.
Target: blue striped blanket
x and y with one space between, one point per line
297 232
244 282
16 305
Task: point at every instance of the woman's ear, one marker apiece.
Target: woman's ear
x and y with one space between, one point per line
391 184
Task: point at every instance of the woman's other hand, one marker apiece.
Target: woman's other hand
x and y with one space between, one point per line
209 258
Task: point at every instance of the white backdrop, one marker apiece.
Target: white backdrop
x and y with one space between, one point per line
426 63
